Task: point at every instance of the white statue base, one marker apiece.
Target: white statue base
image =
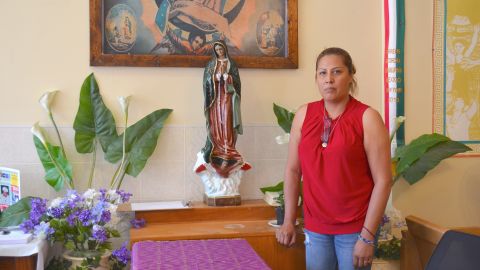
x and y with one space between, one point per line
219 191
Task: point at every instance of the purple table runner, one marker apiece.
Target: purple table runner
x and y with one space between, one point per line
214 254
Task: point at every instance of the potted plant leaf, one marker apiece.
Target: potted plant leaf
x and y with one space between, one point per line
413 161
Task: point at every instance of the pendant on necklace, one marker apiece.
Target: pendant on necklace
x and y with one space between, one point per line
324 144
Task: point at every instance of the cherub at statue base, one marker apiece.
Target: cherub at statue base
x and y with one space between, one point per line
219 191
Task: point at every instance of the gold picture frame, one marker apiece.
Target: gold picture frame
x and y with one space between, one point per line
127 32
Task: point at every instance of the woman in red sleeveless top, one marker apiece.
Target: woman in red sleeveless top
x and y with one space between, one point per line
340 148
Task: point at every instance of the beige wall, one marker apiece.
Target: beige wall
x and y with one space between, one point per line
48 48
45 45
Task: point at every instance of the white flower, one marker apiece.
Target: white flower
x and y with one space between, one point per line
399 120
56 202
89 194
96 227
113 196
283 139
42 230
38 132
47 99
271 198
124 102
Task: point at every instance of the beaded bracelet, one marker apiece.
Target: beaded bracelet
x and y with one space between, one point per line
366 241
369 231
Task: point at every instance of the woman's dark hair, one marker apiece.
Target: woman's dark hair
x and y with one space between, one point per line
347 61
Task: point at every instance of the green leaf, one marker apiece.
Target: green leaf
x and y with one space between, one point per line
432 158
115 233
276 188
16 213
93 119
69 245
284 117
389 250
140 141
57 168
407 155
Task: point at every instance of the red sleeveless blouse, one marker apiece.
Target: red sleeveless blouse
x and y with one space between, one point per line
337 182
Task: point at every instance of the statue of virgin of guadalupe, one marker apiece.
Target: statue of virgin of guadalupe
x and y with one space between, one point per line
219 157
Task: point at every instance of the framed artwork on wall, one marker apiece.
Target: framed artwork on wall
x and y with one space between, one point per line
180 33
456 71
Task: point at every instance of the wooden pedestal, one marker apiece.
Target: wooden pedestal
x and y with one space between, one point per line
222 201
248 221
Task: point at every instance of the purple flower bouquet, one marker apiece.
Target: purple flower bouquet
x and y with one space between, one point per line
81 222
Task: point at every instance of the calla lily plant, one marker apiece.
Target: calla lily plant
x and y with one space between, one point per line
95 125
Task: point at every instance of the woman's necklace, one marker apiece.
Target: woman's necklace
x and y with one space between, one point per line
327 123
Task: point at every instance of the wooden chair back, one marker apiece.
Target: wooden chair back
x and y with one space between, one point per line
426 236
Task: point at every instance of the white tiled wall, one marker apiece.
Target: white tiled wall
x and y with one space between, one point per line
168 174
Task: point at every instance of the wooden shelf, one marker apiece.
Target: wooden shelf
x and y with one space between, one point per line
202 230
248 210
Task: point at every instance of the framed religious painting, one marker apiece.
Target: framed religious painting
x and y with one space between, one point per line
180 33
456 71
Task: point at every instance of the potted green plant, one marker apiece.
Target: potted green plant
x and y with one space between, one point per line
95 127
82 223
273 195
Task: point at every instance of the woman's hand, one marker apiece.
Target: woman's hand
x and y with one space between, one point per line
286 235
362 254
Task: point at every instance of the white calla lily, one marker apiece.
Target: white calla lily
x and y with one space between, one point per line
398 122
124 102
46 100
37 131
270 197
283 139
